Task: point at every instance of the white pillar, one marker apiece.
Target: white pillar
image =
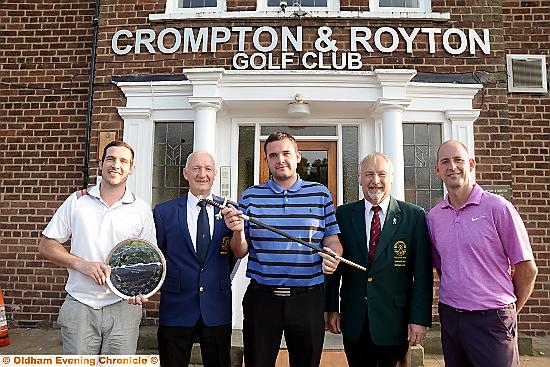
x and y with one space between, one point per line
204 128
138 132
392 141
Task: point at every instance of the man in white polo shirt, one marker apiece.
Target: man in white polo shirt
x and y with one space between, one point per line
94 320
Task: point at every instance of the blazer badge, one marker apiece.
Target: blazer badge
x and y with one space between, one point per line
400 253
224 245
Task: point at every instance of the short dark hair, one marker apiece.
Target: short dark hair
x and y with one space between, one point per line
279 135
117 143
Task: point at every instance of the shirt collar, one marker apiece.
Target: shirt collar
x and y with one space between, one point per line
473 199
278 189
383 205
127 198
193 201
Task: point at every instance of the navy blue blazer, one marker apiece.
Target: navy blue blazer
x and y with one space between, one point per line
191 288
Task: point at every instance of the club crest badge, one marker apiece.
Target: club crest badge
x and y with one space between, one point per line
224 246
400 253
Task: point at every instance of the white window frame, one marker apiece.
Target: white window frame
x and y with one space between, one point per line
542 89
332 10
172 8
424 6
292 6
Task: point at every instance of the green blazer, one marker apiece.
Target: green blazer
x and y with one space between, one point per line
397 288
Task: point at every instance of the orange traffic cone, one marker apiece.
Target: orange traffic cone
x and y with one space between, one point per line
4 339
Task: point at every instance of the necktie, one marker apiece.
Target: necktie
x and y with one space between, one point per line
203 232
375 230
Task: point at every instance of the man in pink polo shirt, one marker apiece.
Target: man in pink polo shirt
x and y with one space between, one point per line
476 238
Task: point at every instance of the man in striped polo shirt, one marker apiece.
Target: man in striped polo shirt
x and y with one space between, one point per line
285 293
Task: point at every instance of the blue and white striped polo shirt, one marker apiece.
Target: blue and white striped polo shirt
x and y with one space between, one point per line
305 211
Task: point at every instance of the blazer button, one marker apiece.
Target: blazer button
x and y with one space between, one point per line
369 280
201 289
365 298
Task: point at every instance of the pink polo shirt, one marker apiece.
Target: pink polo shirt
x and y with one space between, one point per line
474 247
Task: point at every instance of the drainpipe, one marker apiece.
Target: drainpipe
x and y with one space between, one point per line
89 122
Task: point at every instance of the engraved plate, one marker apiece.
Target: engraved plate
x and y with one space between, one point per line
137 267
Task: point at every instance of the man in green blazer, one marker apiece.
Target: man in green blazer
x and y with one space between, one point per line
388 307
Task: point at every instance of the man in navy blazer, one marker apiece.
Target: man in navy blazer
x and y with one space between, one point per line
195 298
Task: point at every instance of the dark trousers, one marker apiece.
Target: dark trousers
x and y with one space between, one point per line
364 353
267 316
479 338
175 344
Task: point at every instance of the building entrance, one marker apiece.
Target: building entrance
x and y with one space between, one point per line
318 164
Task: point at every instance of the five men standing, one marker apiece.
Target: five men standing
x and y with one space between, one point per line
480 248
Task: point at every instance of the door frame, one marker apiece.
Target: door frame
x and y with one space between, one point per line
331 146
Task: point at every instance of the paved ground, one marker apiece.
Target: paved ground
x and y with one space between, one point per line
37 341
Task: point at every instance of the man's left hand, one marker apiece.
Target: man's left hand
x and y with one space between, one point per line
417 334
137 300
329 263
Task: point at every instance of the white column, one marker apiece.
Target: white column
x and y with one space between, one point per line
392 141
462 129
138 132
204 128
206 101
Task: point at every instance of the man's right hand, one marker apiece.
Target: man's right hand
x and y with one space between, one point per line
333 322
99 272
232 218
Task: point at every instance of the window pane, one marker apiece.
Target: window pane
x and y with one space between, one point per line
398 3
314 166
305 3
173 143
422 186
197 3
350 162
246 159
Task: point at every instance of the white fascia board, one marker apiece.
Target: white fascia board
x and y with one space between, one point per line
273 14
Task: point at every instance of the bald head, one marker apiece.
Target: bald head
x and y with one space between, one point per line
200 171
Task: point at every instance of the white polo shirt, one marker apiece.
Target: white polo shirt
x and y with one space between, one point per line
94 229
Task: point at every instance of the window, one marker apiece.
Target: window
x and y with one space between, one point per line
197 3
526 73
192 7
400 5
302 3
173 143
420 144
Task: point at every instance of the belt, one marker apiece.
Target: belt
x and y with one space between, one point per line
282 291
510 306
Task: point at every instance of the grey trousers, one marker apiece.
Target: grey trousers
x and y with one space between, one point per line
113 329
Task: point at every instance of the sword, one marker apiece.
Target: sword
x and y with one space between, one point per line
279 232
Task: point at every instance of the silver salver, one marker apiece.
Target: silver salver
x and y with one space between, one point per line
137 267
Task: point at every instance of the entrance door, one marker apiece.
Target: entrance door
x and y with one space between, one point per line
318 164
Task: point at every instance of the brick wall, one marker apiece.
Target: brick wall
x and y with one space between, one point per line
43 86
526 31
43 116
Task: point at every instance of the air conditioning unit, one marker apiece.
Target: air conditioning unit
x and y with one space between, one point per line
526 73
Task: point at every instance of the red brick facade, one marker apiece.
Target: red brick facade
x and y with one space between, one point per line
44 70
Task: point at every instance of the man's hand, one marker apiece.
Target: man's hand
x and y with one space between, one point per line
137 300
329 263
232 218
417 334
333 322
99 272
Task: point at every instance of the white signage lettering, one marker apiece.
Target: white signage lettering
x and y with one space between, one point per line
270 48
